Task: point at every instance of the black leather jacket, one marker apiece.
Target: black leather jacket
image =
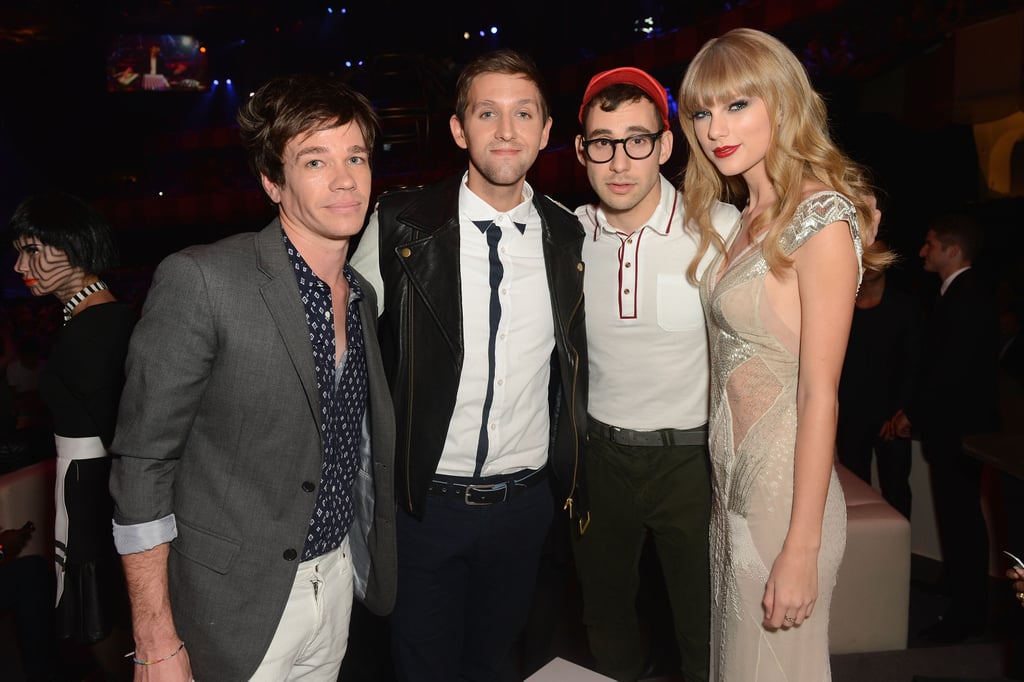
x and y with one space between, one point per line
417 234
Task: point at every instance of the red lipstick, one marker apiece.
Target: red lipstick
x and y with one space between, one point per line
30 281
722 152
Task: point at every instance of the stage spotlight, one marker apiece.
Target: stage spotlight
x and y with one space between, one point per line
494 30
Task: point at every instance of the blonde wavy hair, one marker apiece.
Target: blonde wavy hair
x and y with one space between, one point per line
748 63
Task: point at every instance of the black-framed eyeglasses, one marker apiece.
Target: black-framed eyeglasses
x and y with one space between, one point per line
637 147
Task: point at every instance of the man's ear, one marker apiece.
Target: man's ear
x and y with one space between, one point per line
457 132
271 188
546 133
579 151
954 251
666 147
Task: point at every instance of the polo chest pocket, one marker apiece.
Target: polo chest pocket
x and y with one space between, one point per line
679 306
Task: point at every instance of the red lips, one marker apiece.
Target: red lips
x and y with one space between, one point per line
30 281
722 152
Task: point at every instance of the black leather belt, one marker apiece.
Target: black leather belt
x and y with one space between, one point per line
657 438
487 490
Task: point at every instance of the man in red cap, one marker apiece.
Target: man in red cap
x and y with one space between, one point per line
647 459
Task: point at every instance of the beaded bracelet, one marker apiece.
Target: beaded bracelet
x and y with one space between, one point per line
159 660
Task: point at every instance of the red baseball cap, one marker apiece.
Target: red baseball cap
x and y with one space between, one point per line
631 76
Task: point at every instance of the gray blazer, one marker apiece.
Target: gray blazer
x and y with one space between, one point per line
219 425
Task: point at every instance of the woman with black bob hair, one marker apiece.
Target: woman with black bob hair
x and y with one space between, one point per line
63 244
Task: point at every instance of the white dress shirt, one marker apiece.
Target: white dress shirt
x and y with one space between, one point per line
516 422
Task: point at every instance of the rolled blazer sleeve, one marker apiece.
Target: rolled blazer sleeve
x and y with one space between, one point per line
168 365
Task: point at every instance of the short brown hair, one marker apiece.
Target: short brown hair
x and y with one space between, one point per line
502 61
291 105
959 229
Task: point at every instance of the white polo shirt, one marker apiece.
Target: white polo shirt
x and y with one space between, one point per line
646 336
502 398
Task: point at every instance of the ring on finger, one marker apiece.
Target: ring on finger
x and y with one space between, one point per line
789 619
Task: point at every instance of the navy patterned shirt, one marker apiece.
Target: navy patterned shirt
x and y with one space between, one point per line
342 392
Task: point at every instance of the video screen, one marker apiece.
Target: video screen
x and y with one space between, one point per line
157 63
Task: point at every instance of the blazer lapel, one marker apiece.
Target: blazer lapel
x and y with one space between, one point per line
281 295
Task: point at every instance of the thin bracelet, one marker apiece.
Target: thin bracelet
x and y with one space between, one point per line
159 660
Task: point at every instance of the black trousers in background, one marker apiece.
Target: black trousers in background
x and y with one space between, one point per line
956 493
893 461
466 577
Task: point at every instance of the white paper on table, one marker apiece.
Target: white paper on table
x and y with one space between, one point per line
561 670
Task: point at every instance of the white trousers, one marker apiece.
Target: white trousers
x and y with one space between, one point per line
312 636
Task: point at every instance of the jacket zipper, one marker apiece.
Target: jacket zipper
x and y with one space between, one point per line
408 412
584 523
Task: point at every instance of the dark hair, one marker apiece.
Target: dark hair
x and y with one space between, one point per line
959 229
291 105
67 223
507 62
614 96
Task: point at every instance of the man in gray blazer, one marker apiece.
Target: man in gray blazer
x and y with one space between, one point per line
253 482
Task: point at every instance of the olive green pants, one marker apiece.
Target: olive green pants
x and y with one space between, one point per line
664 491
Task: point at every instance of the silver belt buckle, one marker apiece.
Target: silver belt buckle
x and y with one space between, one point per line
615 436
483 488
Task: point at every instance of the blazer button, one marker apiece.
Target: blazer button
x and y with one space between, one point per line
579 267
405 252
308 486
290 554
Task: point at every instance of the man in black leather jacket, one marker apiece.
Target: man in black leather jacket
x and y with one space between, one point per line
480 283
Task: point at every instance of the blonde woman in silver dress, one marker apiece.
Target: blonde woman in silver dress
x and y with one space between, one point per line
779 299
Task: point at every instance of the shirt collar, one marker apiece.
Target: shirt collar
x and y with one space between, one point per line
660 221
476 210
355 292
949 280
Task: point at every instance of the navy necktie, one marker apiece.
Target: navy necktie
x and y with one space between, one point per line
497 271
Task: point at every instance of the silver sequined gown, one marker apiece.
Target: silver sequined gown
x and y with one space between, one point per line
754 366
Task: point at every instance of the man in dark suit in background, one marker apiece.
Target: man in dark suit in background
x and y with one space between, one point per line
250 503
881 365
956 397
